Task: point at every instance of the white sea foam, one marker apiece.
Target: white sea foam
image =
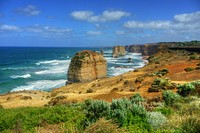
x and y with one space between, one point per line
51 62
41 85
54 67
117 71
16 68
21 76
54 70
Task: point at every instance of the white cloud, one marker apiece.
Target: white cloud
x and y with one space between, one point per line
47 29
177 24
36 29
191 17
95 33
81 15
107 15
151 24
29 10
9 28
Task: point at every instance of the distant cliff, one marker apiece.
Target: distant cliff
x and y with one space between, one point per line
119 51
146 49
152 48
87 66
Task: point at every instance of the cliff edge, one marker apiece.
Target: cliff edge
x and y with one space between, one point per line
87 66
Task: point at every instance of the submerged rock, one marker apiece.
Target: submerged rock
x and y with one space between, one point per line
118 51
87 66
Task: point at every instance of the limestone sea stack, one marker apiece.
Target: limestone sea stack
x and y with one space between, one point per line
118 51
86 66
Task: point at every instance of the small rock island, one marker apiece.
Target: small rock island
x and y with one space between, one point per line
118 51
86 66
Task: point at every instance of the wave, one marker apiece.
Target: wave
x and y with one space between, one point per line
52 62
21 76
41 85
16 68
52 71
55 68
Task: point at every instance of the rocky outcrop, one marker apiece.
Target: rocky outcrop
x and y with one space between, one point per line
87 66
118 51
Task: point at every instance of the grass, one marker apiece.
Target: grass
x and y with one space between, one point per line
26 119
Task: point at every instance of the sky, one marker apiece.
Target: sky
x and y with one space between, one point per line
90 23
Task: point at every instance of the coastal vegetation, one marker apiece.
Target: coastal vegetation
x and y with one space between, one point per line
175 113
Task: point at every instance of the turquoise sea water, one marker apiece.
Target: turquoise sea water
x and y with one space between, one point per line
31 68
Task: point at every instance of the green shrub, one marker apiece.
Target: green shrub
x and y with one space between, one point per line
164 110
185 89
196 91
161 84
162 72
137 99
95 109
139 80
189 69
126 113
193 57
169 97
156 119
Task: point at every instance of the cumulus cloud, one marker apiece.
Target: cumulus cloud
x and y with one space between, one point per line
9 28
29 10
81 15
191 17
35 29
47 29
95 33
107 15
180 22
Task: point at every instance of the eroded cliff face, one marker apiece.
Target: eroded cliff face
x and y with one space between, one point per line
87 66
146 49
118 51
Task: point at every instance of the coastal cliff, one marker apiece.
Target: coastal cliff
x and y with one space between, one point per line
118 51
146 49
87 66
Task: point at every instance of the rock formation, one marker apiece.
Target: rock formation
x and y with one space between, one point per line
87 66
118 51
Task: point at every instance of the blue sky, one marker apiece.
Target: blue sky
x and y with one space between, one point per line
79 23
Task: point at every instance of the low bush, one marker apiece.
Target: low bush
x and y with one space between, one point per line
156 119
161 84
185 89
103 126
127 113
170 97
95 109
189 69
139 80
162 72
164 110
137 99
196 91
193 57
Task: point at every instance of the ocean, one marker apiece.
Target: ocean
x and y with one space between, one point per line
41 68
